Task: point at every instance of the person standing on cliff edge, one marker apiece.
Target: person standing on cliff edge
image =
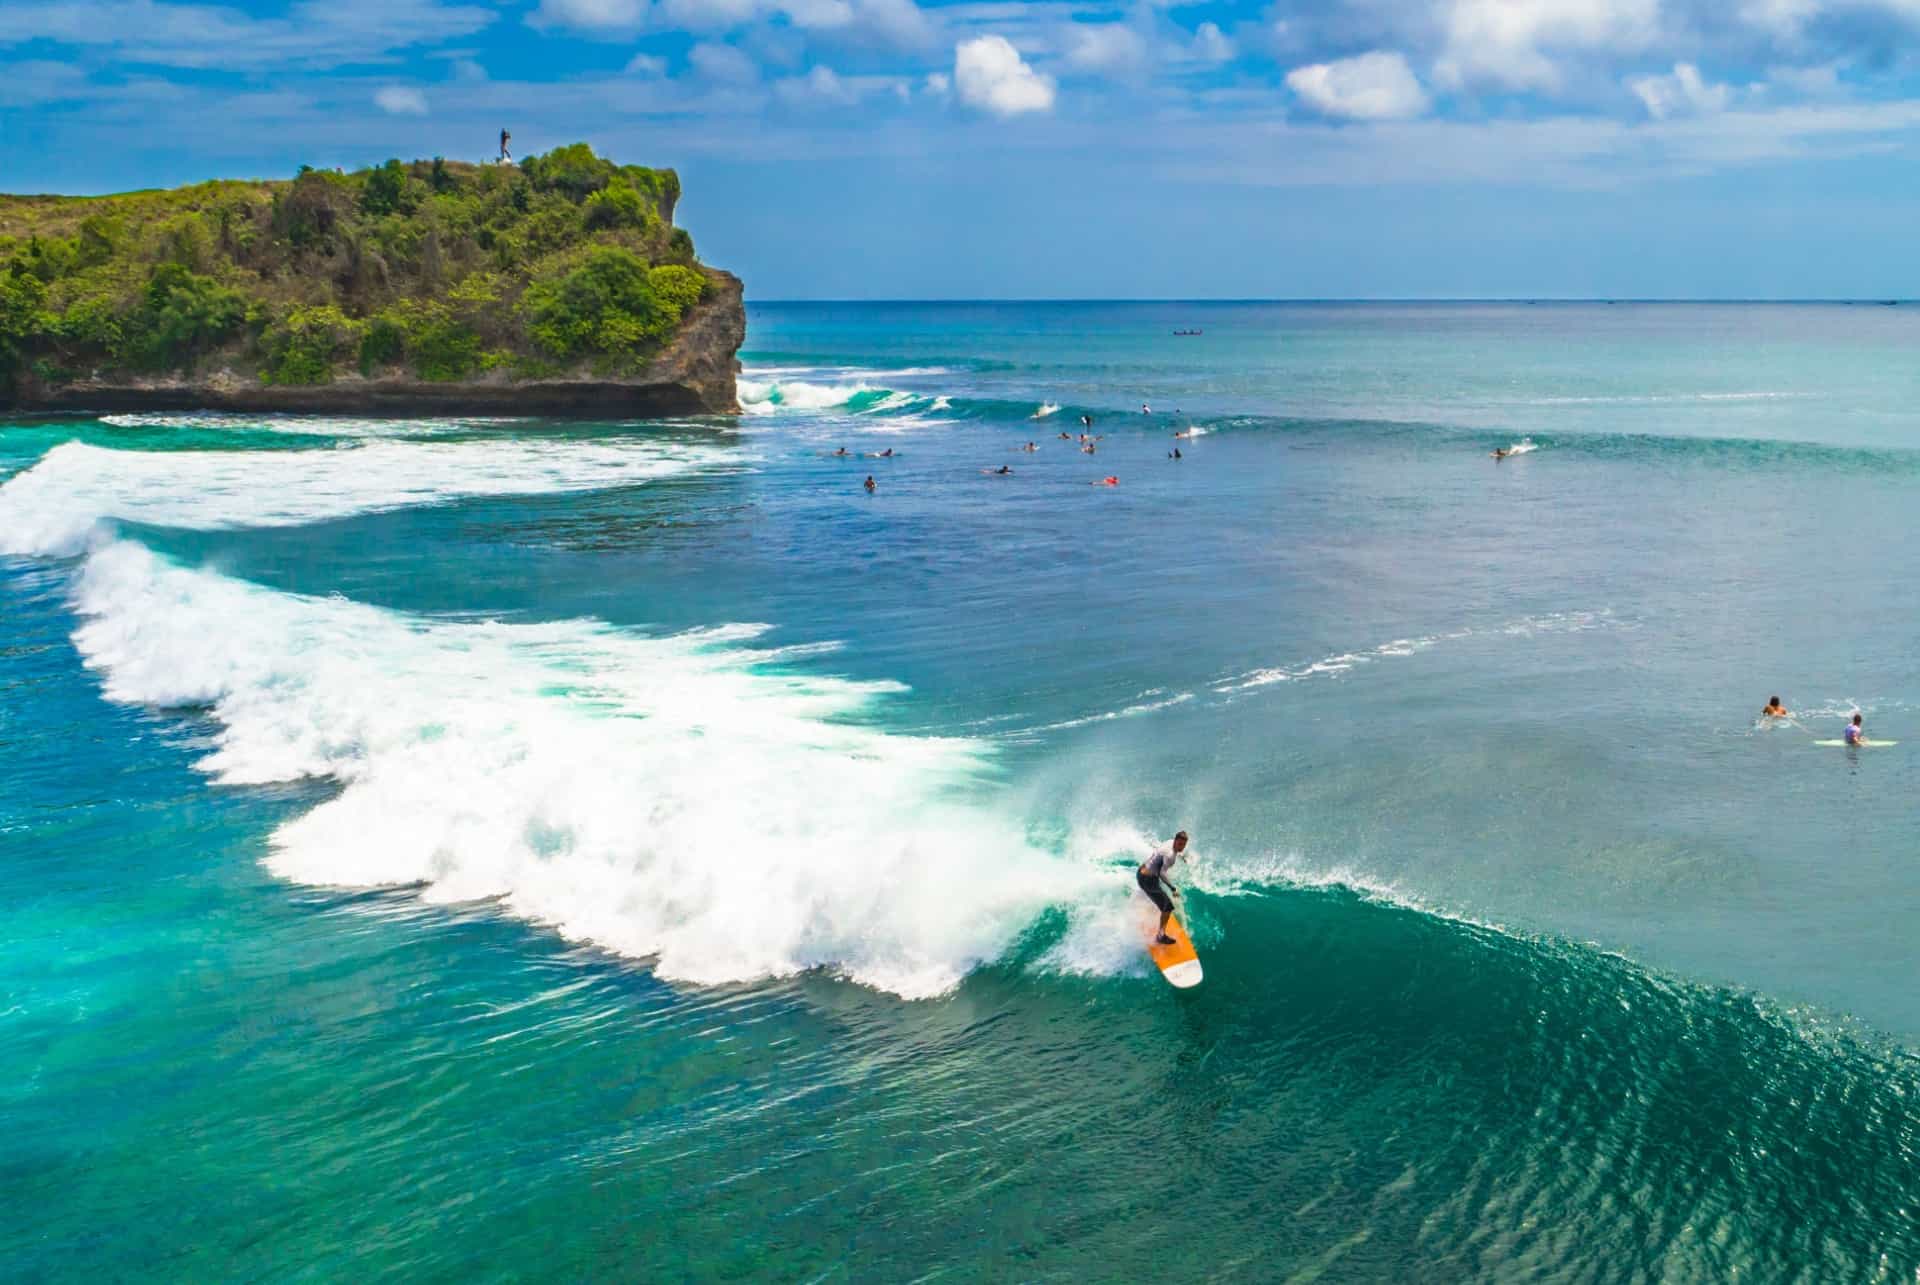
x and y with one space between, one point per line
506 157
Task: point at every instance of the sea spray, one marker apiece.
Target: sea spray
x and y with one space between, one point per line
672 798
53 506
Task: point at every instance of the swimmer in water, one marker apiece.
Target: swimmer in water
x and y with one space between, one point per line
1174 454
1774 709
1087 449
1065 436
1106 481
1030 448
1856 734
1500 452
1145 409
840 453
869 484
1004 470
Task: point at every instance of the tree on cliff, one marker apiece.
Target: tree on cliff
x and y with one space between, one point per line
435 269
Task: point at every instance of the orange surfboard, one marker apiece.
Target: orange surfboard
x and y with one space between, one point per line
1178 963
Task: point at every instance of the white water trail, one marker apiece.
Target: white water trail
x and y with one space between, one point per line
1560 622
53 506
322 425
665 797
768 397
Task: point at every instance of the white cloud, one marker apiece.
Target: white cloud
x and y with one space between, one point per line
723 63
818 14
1508 42
989 74
1108 47
1779 17
396 100
651 66
819 86
1210 44
193 35
1821 81
709 15
590 15
1375 86
896 22
938 85
1681 93
32 84
469 72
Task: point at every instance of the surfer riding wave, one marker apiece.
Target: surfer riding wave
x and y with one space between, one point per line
1152 877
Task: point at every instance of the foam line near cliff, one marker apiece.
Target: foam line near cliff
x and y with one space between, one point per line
52 507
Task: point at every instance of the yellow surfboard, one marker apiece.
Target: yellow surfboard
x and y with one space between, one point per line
1178 963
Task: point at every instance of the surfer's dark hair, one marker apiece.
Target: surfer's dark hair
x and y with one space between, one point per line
1773 700
1181 835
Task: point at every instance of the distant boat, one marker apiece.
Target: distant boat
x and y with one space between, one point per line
1184 333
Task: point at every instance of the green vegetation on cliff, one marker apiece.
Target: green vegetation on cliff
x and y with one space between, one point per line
436 270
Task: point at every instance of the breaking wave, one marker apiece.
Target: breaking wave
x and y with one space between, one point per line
53 506
594 779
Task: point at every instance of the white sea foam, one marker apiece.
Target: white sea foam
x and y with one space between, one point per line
1149 702
769 397
1565 622
53 506
1046 409
323 425
673 797
772 390
1522 447
774 396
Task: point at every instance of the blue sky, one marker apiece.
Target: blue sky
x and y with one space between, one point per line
1071 148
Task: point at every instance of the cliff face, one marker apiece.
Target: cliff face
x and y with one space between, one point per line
556 287
693 375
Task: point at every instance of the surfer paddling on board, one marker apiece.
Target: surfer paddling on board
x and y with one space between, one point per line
1856 734
1152 877
1774 709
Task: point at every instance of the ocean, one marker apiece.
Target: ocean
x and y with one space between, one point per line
523 849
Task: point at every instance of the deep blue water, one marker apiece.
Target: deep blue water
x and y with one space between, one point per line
528 849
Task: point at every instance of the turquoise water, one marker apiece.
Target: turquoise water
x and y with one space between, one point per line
520 849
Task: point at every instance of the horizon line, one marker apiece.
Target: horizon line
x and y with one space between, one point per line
1879 301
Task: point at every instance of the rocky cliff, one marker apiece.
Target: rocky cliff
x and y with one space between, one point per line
558 287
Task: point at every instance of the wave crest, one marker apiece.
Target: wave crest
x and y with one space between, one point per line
53 506
671 798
